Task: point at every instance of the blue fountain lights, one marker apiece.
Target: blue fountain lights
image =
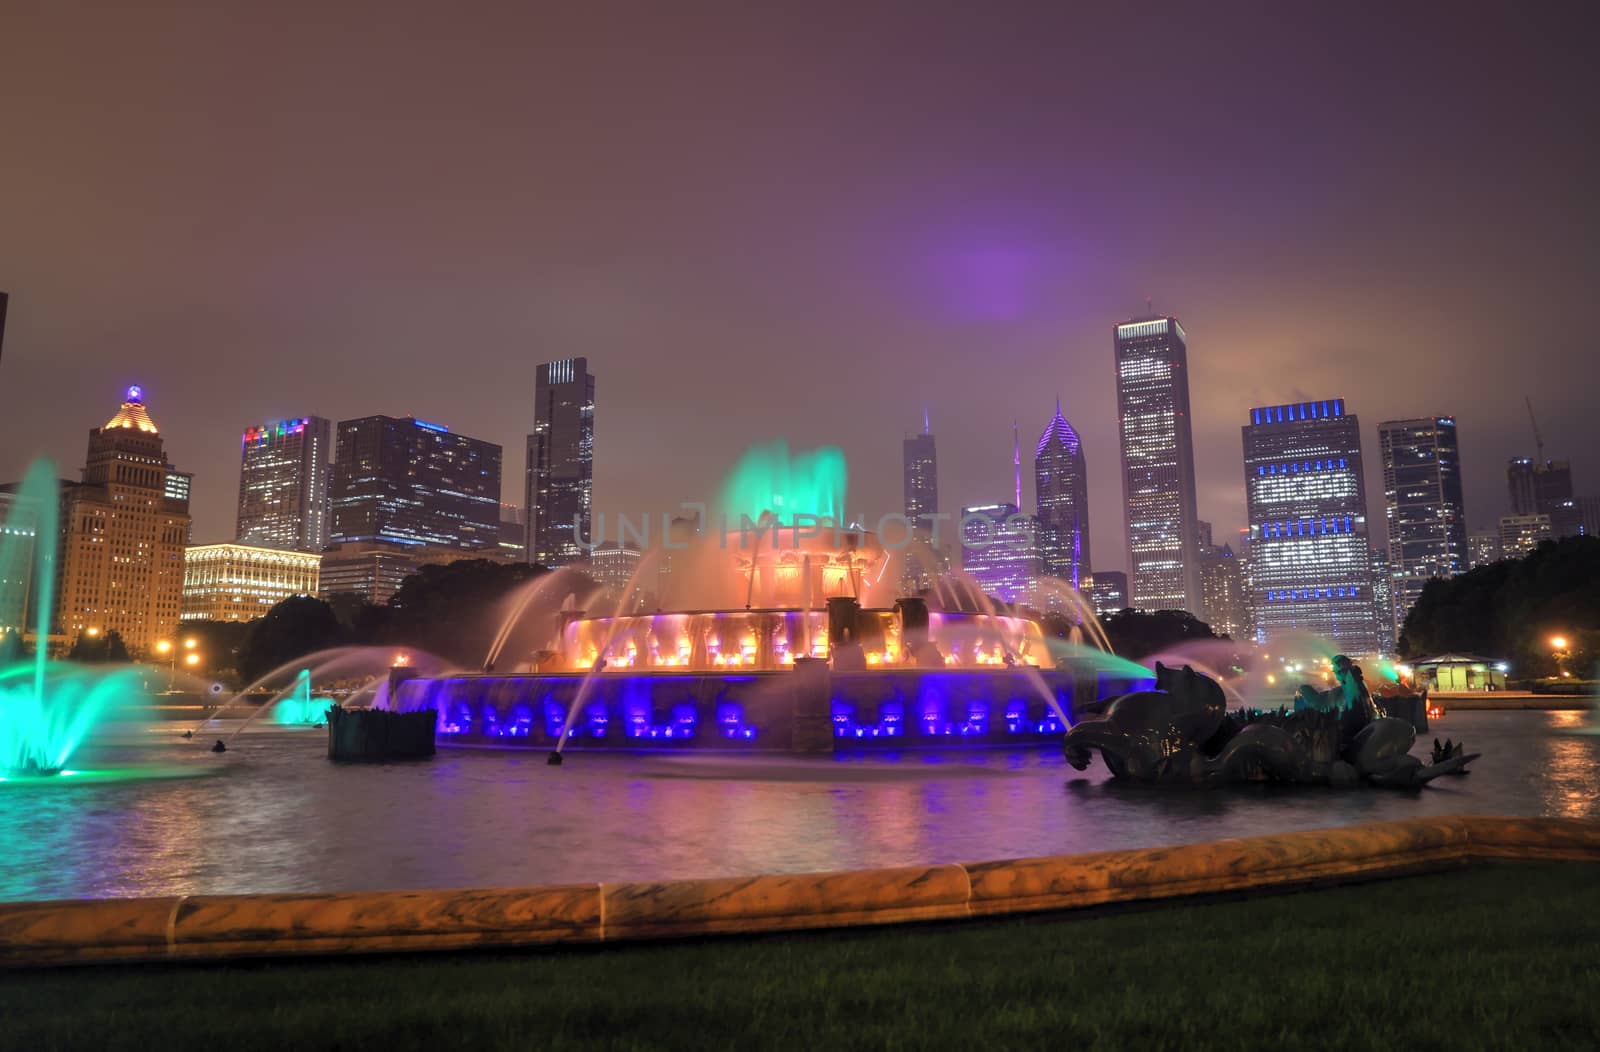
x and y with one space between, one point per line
933 721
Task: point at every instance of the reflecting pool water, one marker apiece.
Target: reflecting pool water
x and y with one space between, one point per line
276 816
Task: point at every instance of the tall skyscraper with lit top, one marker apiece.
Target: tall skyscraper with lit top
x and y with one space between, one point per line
1306 501
559 494
1061 495
283 484
123 537
1426 513
1158 464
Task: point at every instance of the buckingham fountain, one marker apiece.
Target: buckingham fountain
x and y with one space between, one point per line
784 632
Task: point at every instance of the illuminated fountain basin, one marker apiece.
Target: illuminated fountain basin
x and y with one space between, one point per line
760 711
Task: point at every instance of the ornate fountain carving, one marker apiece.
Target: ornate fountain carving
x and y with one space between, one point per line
1182 734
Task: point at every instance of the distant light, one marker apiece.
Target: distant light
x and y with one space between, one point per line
432 427
135 393
1558 642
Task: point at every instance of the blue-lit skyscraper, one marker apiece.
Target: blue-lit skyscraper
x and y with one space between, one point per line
1061 494
402 480
559 492
1310 561
1158 465
1427 518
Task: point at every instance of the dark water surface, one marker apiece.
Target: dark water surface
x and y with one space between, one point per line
272 814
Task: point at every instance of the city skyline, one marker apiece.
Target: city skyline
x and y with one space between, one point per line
1418 283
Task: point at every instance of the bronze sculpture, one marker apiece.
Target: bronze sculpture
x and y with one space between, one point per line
1181 733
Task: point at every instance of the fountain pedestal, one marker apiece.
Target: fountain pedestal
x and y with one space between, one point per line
376 735
812 722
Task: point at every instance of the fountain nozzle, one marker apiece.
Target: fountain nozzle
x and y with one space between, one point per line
220 746
554 760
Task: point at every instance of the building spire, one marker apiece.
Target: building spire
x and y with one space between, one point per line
926 429
1016 462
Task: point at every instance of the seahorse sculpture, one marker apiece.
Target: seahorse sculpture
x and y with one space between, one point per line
1181 733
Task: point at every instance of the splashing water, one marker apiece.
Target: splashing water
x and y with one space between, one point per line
297 708
47 708
770 478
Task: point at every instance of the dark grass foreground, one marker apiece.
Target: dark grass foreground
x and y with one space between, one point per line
1491 958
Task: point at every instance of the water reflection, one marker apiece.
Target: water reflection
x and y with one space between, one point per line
278 817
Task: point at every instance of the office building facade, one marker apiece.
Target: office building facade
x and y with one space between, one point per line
284 474
922 562
559 490
1157 448
1423 504
1000 551
1222 581
1061 496
241 582
1109 592
123 536
1305 499
1483 548
370 570
1521 534
400 480
18 534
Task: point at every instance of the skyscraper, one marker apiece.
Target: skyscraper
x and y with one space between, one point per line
559 495
1521 534
1222 579
123 535
999 551
1110 592
1383 597
405 481
1061 495
1545 489
1158 464
1422 492
283 484
921 463
1306 501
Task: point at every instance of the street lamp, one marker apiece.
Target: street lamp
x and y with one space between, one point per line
191 659
164 648
1559 651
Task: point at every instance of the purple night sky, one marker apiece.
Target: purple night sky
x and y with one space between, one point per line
807 224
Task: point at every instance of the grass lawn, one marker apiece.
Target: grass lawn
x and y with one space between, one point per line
1494 958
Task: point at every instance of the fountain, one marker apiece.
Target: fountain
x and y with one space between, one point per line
773 629
297 708
47 709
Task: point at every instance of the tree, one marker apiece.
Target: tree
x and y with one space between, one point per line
101 647
1135 634
455 610
297 626
1513 608
218 643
